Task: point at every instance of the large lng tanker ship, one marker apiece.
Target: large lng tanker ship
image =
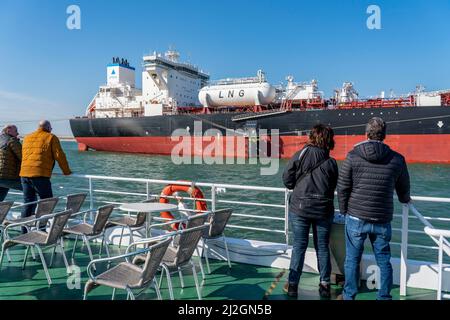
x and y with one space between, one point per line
176 95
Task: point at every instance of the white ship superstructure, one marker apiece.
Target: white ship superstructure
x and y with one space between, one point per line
302 91
170 86
119 97
169 82
166 86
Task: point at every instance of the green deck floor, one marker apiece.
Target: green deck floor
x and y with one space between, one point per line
241 282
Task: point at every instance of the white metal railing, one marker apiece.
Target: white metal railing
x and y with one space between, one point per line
235 81
443 246
215 189
442 242
214 200
439 236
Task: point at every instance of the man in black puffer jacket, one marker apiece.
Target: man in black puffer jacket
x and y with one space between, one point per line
367 180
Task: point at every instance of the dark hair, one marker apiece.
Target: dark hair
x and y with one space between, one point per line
322 136
376 129
7 128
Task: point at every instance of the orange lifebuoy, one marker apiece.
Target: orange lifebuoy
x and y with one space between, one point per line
193 191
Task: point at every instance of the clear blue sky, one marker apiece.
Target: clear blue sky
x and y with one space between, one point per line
49 71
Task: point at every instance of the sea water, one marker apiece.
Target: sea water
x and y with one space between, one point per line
426 180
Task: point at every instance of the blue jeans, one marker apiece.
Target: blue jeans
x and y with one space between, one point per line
6 184
32 187
356 232
321 236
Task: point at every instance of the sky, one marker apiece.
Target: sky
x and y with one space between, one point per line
49 71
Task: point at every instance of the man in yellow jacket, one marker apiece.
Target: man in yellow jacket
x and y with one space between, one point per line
40 149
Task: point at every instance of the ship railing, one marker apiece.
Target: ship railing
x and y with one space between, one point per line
439 236
218 197
235 81
215 190
443 236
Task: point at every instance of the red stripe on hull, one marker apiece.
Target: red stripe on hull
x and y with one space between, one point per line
420 148
198 146
426 148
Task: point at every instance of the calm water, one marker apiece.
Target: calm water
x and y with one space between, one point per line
426 180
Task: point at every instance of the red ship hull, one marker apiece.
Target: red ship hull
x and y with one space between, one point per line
416 148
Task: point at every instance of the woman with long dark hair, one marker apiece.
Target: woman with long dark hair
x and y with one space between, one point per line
312 175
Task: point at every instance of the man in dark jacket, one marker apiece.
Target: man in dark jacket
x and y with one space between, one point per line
10 159
366 184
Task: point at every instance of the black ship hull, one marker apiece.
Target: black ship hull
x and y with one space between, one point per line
421 134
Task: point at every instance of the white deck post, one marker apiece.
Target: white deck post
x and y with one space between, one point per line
440 266
91 199
213 198
404 251
286 216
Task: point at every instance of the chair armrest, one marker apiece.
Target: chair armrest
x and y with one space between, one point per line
167 223
86 213
185 219
194 210
30 203
149 240
109 259
23 223
82 212
166 235
76 215
24 204
161 219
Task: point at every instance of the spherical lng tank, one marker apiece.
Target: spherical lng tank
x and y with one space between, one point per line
237 94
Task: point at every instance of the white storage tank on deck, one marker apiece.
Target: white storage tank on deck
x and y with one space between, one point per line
238 92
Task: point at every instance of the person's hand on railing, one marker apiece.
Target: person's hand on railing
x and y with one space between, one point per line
68 173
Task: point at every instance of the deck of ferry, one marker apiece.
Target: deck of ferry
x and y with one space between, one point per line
241 282
252 277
